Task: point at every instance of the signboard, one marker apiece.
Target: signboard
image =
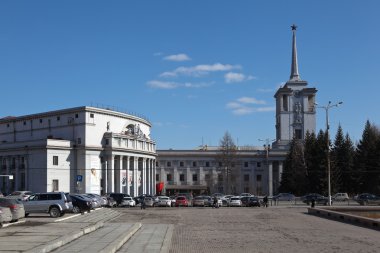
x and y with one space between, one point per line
79 178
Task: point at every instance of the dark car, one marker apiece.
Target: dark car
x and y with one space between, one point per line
253 201
284 197
368 199
318 198
118 197
81 204
244 200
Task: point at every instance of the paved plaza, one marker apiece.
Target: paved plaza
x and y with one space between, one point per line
274 229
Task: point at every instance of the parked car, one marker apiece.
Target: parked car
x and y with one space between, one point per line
181 201
118 197
199 201
235 201
284 197
172 198
96 201
208 200
5 215
16 206
81 204
253 201
340 196
149 201
20 195
54 203
163 201
245 194
128 201
366 199
244 200
318 198
110 202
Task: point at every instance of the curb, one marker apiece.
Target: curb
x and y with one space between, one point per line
118 242
50 246
168 239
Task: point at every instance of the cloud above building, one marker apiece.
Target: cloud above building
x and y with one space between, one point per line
177 57
232 77
244 105
200 70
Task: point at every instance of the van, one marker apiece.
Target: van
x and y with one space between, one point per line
54 203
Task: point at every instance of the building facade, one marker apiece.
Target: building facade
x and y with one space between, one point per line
82 149
257 170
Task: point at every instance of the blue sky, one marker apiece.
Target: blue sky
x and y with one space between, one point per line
195 68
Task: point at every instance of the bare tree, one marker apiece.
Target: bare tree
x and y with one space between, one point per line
227 159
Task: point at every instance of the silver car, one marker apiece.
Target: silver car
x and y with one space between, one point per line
16 207
5 215
235 201
163 201
54 203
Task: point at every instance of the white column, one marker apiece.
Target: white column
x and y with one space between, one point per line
135 179
188 176
270 178
143 172
127 183
279 171
120 173
154 177
110 173
17 174
149 174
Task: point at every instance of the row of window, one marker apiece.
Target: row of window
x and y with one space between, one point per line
58 119
207 164
169 177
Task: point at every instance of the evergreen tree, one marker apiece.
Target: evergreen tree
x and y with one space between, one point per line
346 157
367 159
311 162
321 184
294 173
337 162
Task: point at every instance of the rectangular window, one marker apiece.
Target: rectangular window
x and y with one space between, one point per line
58 118
55 185
79 141
246 164
55 160
168 164
156 164
182 177
76 115
157 177
258 164
246 178
220 177
220 164
207 164
181 164
169 177
285 103
107 141
258 178
24 123
298 134
40 120
194 164
207 177
91 115
195 177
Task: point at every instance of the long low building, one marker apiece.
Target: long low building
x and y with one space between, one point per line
82 149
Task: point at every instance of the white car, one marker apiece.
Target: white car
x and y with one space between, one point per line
163 201
128 201
235 201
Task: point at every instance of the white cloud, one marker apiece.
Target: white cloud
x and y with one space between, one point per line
173 85
158 54
248 100
199 70
232 77
177 57
240 107
162 85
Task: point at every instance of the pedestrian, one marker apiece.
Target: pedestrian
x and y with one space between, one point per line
142 203
215 202
313 203
265 200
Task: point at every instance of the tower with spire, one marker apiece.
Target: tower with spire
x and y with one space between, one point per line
295 104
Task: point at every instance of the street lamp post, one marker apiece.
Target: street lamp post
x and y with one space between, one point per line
327 107
270 175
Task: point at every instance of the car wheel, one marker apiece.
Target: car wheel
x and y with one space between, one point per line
76 209
54 212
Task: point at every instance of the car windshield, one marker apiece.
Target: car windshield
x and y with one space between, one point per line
235 199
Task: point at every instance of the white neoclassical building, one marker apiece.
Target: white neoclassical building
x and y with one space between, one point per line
82 149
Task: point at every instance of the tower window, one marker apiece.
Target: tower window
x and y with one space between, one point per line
298 134
285 103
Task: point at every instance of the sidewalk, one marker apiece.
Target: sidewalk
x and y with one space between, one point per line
29 237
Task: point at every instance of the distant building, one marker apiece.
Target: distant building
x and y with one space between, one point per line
82 149
258 169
